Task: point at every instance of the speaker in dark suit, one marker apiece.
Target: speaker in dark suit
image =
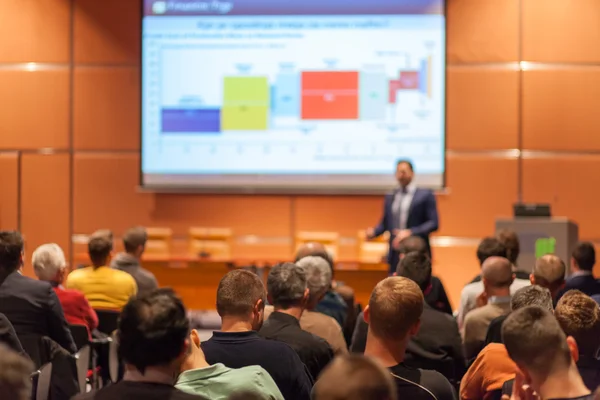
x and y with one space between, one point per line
407 211
30 305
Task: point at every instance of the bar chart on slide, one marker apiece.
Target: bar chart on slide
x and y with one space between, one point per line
253 102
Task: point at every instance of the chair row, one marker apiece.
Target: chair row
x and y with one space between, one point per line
218 242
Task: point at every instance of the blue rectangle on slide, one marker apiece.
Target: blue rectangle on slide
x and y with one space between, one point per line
423 73
373 95
286 95
182 120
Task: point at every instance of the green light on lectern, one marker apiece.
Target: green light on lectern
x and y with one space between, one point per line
544 246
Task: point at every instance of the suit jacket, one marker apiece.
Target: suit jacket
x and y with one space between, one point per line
422 219
33 309
585 283
437 344
9 337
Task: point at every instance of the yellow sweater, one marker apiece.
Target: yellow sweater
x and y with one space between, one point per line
103 287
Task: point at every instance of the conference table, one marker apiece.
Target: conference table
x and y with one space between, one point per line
196 278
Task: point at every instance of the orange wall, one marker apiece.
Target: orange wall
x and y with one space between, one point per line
69 131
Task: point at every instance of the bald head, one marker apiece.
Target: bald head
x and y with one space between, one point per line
314 249
497 272
549 272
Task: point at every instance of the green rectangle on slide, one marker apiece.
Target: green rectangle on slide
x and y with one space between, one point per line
244 118
249 90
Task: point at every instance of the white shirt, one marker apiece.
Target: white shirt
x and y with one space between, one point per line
402 203
468 296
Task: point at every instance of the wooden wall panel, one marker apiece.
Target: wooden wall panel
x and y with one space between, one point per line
483 31
107 31
455 266
570 184
35 109
560 109
482 113
343 214
480 189
106 108
45 202
561 31
34 31
9 191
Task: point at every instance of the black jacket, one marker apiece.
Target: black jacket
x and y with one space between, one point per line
585 283
34 309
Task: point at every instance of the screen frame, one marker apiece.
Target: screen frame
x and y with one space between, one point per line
270 189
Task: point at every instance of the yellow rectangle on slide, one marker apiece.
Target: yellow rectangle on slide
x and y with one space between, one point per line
244 118
245 89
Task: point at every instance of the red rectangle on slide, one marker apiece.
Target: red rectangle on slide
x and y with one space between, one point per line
330 95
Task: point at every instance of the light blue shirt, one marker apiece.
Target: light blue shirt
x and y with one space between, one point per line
401 205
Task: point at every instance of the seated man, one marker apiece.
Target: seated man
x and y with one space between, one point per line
355 378
393 315
549 272
510 240
217 382
582 277
322 325
287 290
153 343
437 345
338 301
49 265
241 298
435 293
497 277
489 247
31 306
579 317
493 366
105 288
543 354
134 241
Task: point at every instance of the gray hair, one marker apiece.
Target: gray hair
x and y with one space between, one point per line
48 260
318 274
286 285
533 295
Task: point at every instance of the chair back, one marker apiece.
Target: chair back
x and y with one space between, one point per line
80 335
82 358
330 240
40 383
159 241
372 251
108 321
213 242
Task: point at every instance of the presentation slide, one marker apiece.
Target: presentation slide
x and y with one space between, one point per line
300 96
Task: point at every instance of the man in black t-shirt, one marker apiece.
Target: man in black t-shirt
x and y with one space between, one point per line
153 342
393 315
544 355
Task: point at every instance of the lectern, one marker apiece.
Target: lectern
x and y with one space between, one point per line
542 235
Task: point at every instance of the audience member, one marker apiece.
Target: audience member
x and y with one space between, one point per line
393 315
153 343
549 272
533 295
510 240
31 306
493 366
354 377
104 287
579 317
543 354
241 298
333 303
435 293
582 278
489 247
49 265
134 241
217 382
288 292
15 372
497 277
319 281
437 345
8 336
